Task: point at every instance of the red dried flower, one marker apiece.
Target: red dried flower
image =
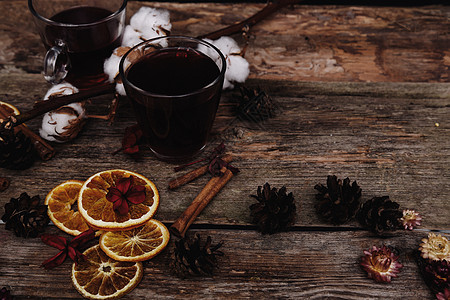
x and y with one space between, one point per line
125 192
72 248
130 142
381 264
445 295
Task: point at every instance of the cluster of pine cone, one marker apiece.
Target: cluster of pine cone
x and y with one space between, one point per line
339 201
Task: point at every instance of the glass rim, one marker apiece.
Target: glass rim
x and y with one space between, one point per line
147 93
51 22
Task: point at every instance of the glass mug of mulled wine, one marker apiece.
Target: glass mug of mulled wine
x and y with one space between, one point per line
78 35
174 84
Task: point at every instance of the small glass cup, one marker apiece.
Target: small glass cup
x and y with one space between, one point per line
78 35
174 84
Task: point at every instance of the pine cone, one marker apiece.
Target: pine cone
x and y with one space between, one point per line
193 258
275 211
338 201
25 216
16 149
255 105
436 273
380 214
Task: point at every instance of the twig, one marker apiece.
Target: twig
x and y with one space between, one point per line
245 25
55 102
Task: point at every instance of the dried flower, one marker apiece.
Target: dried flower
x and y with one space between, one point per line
435 247
4 183
338 201
5 294
72 249
125 192
381 264
130 141
411 219
435 273
445 295
275 210
26 216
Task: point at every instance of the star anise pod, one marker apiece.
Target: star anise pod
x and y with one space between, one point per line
380 214
338 201
73 249
275 210
192 257
125 192
26 216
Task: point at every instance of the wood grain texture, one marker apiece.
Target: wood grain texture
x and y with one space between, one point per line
384 136
291 265
301 42
361 92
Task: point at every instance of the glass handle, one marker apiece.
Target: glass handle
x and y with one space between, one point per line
56 63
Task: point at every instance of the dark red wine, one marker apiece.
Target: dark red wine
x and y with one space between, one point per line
88 45
176 126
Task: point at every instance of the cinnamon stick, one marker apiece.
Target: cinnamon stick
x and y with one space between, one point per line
210 190
44 150
194 174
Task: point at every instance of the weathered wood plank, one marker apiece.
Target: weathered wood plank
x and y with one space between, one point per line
308 43
384 136
292 265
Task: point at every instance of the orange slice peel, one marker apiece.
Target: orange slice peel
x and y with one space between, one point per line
101 277
137 244
99 212
60 201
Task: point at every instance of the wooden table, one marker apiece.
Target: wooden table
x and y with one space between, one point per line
363 93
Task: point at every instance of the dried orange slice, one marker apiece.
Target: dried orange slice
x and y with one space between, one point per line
99 212
136 244
10 108
101 277
60 201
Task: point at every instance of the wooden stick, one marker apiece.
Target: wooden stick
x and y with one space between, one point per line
44 150
188 177
210 190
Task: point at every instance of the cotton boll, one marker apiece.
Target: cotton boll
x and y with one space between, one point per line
63 88
64 123
238 68
120 89
227 45
151 22
131 37
111 66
